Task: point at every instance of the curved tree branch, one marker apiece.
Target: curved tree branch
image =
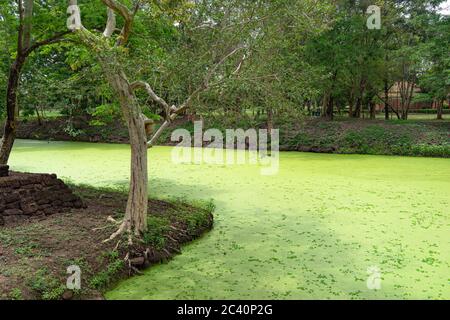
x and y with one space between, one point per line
126 14
145 86
218 64
110 24
174 112
21 27
119 8
27 23
54 39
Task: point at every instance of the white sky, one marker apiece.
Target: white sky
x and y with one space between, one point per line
445 8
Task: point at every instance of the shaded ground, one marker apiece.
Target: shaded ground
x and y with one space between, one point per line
35 255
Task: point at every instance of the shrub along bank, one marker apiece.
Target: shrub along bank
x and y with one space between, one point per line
427 138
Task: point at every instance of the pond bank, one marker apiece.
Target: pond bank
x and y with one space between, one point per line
426 138
35 254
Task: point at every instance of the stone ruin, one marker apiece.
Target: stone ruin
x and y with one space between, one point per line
4 170
24 196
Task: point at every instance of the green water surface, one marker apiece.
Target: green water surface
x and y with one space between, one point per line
309 232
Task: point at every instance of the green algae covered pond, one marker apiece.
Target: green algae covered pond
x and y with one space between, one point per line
309 232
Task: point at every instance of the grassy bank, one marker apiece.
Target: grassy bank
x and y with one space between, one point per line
35 255
428 138
405 138
351 136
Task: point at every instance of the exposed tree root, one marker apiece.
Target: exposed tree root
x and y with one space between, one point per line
109 219
117 245
101 228
136 270
125 227
131 268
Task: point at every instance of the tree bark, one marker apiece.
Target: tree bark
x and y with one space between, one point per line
350 108
38 115
9 132
24 49
372 110
329 108
27 24
270 120
351 103
359 101
135 219
137 205
407 94
357 111
328 103
440 105
386 100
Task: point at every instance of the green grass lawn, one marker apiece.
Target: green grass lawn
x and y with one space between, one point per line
312 231
48 114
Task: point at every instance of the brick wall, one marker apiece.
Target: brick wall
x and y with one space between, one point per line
32 195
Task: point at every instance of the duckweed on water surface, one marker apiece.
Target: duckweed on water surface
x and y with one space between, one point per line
311 231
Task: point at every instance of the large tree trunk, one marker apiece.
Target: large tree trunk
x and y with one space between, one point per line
350 108
351 103
386 100
328 103
372 108
440 105
360 99
386 89
27 23
404 115
9 132
357 111
136 212
138 197
270 123
329 108
38 115
406 92
135 219
24 49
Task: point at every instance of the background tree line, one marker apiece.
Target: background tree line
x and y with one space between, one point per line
300 57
